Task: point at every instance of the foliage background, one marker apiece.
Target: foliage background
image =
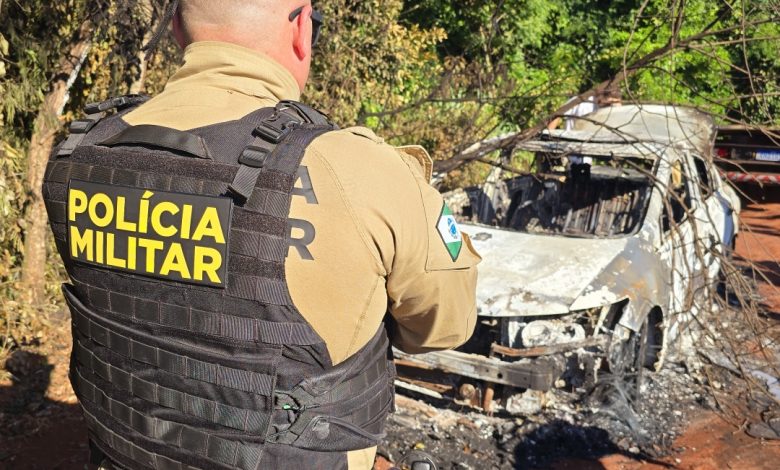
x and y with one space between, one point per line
445 74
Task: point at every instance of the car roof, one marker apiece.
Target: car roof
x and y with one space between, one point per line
634 130
576 146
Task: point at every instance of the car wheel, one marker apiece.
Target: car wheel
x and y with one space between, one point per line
628 359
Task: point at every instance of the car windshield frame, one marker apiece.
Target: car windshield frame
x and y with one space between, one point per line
651 172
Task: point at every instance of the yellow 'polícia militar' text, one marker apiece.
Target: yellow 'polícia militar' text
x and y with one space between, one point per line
153 242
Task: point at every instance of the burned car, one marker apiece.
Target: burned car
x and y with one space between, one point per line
592 263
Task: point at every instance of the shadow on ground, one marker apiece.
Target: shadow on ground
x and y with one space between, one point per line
36 432
560 445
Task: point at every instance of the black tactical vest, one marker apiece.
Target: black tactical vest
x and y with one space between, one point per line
187 349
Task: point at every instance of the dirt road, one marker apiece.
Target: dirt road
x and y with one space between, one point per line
40 426
759 242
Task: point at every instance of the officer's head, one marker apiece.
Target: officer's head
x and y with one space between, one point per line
282 29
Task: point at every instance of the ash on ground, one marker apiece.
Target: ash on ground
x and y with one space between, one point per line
727 361
566 425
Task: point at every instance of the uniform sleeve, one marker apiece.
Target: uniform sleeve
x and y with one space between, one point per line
432 285
427 266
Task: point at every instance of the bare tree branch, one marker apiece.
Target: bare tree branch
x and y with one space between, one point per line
482 148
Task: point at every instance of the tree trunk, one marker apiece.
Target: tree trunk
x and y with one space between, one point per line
148 11
44 132
139 85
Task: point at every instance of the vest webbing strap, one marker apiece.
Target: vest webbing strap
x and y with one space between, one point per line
259 222
261 289
267 135
338 392
221 325
308 113
360 409
356 402
93 163
257 245
268 201
246 179
230 453
354 388
289 119
237 379
77 131
141 458
63 171
225 415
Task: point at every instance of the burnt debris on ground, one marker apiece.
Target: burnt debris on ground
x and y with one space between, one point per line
725 362
568 425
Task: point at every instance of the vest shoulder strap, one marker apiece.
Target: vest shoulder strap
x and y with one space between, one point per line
290 121
289 117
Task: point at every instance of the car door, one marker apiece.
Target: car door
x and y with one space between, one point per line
677 237
713 217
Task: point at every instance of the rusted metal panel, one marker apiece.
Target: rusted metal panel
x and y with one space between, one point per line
600 341
537 375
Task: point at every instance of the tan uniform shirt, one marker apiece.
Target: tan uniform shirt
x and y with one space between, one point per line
379 241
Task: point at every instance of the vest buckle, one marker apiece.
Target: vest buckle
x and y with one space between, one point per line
254 156
277 127
82 126
286 401
118 102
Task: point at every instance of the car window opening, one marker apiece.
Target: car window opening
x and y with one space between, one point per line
705 184
606 197
678 198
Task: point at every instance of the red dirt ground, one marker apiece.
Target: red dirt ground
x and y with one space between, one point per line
759 242
51 435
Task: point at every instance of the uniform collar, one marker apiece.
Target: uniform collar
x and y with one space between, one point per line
234 68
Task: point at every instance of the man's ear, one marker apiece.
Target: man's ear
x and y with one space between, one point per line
302 30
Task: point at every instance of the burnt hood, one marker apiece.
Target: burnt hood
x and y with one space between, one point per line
527 274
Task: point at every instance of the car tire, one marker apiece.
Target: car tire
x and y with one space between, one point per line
627 360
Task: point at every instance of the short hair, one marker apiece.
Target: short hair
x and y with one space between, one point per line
229 12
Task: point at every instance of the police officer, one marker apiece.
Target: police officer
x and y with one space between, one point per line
368 239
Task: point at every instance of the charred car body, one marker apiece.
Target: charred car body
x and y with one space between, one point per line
592 263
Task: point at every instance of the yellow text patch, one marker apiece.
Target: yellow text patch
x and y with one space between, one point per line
179 237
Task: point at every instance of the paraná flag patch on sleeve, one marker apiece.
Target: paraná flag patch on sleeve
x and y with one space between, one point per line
450 232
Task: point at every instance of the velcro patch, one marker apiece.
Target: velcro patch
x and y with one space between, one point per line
178 237
450 232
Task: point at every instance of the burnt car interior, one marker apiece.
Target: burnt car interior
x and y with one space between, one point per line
677 200
606 197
